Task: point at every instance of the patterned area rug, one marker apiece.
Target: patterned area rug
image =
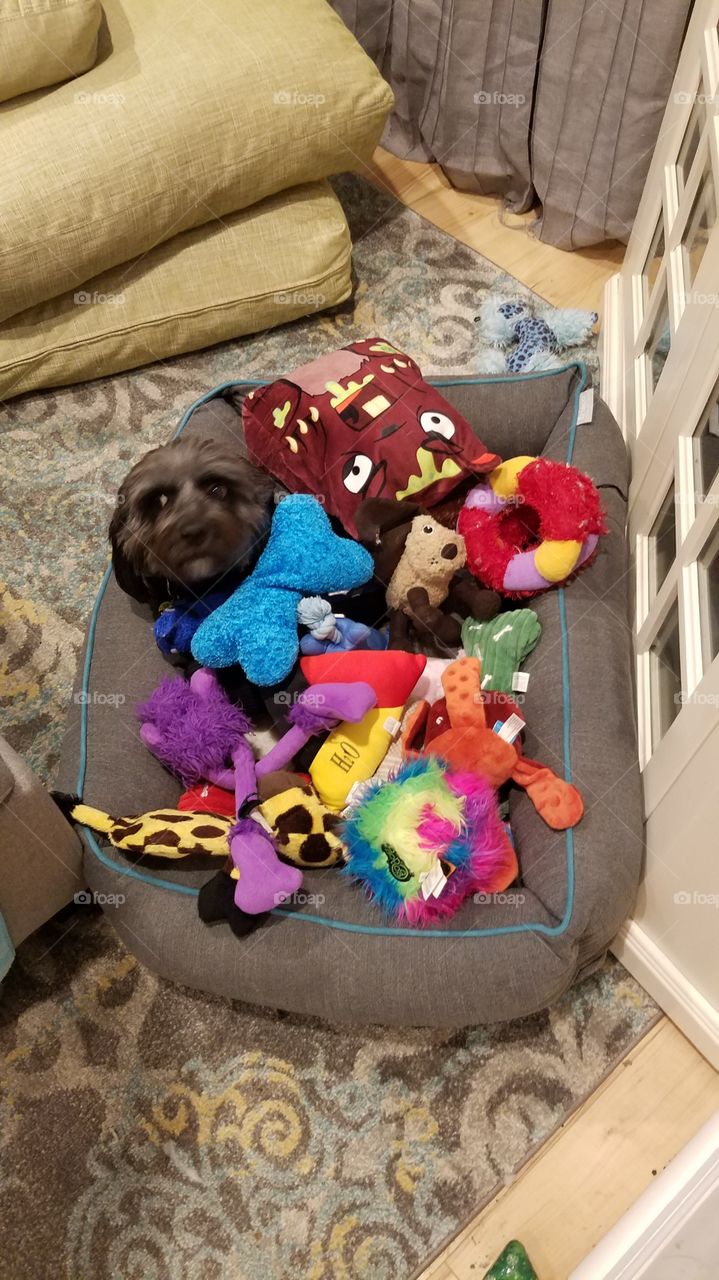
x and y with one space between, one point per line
151 1131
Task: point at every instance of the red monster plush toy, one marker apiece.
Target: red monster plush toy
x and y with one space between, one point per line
362 423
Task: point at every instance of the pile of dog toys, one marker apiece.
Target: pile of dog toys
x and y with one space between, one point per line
453 534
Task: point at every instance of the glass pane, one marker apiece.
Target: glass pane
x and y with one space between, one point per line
690 141
654 257
705 447
663 541
709 596
659 342
666 682
702 217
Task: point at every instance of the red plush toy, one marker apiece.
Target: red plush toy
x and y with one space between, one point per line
531 525
362 423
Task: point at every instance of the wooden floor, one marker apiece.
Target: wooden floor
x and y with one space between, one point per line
564 279
582 1181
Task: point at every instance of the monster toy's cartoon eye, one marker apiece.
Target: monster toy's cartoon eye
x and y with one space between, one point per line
437 424
357 472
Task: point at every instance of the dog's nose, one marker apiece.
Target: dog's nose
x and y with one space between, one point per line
193 533
450 551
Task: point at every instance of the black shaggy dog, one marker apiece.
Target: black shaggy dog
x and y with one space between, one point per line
186 514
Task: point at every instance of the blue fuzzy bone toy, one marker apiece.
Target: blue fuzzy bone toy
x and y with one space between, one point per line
330 634
540 336
257 626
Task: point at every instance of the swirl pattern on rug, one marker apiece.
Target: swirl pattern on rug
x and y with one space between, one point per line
153 1131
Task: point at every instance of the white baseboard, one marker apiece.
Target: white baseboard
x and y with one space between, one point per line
672 1230
672 990
611 350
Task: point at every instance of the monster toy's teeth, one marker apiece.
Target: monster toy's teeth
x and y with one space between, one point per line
429 473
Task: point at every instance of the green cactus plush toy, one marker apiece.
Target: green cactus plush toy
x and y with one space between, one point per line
512 1264
501 644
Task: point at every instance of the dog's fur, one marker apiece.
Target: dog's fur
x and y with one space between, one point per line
187 513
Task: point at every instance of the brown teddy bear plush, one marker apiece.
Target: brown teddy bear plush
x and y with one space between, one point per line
420 561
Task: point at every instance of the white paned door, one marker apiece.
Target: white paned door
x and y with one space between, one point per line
660 376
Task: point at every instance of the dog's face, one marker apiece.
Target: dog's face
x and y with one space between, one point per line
433 551
187 512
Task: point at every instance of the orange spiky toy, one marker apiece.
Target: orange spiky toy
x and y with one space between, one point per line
456 728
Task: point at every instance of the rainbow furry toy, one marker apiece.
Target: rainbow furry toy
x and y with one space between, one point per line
425 840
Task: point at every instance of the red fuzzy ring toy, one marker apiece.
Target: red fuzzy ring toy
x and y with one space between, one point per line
531 525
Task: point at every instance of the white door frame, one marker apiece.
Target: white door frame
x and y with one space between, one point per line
675 296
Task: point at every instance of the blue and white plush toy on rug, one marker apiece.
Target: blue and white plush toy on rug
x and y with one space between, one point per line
526 339
257 627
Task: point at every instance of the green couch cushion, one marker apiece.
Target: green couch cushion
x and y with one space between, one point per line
285 257
44 42
191 113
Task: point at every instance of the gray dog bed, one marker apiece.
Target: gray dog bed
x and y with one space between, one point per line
336 955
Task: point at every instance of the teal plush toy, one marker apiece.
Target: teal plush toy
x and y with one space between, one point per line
525 339
257 627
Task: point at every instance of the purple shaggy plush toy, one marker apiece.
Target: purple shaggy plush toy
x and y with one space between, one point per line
196 732
192 727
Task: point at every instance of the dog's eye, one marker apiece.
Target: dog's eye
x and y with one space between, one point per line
438 423
357 472
427 528
155 499
218 491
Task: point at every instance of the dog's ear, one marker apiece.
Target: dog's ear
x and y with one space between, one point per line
126 576
375 517
384 524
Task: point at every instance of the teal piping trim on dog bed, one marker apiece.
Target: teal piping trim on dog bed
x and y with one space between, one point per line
550 931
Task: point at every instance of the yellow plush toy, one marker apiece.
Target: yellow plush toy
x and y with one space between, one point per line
352 752
304 829
160 833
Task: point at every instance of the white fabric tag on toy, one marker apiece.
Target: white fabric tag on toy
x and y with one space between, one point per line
520 681
392 726
511 728
432 882
586 406
355 795
260 819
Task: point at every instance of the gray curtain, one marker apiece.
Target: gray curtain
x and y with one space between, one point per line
550 101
